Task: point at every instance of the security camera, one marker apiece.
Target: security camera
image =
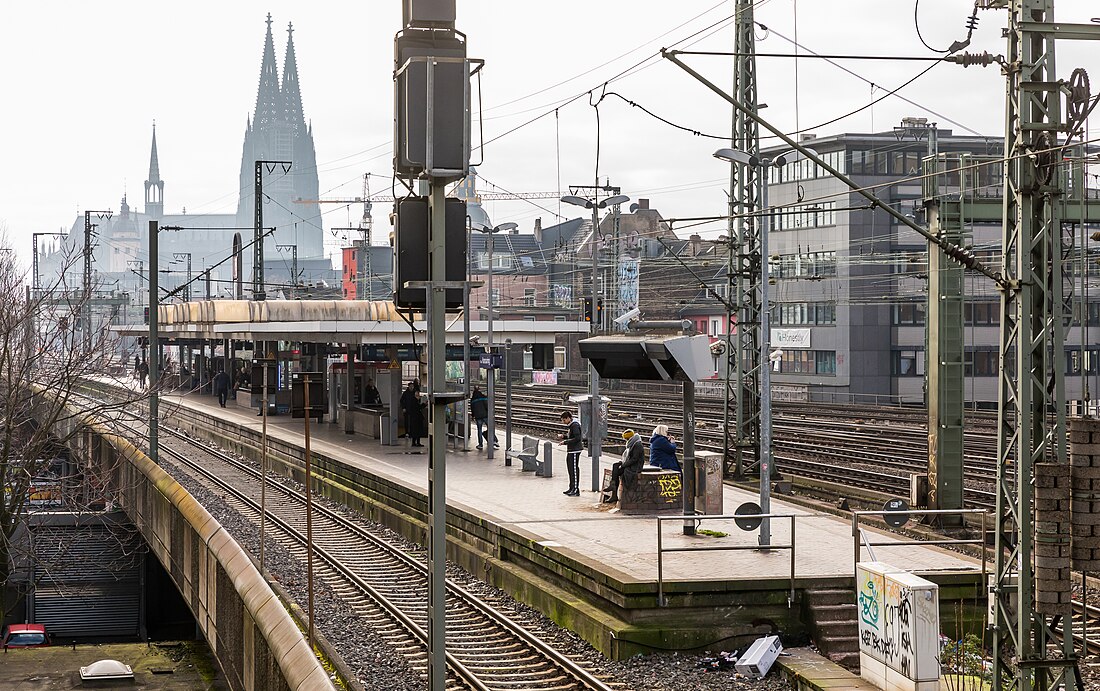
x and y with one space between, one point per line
624 318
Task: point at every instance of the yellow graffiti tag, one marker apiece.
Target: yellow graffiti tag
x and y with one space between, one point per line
670 485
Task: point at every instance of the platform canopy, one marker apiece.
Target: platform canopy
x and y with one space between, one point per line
355 322
650 357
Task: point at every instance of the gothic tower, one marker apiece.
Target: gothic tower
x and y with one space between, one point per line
278 131
154 186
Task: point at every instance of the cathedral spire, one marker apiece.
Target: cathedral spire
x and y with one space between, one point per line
268 100
154 186
292 95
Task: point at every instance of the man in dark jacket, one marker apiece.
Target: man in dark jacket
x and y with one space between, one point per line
479 409
573 445
627 469
221 387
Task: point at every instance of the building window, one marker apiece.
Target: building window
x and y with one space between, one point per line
909 314
501 261
808 265
802 313
907 363
1074 359
802 216
494 297
982 313
808 362
528 297
560 359
980 363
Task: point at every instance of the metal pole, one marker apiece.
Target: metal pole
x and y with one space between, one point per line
349 383
466 352
153 359
258 236
507 396
688 488
490 428
86 309
309 510
263 470
765 369
593 375
437 439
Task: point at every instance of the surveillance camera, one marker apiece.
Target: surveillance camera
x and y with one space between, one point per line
624 318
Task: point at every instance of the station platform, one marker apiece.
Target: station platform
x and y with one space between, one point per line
577 560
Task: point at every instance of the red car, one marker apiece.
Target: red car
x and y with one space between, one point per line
25 636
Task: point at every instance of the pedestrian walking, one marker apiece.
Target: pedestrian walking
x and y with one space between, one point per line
479 408
407 397
573 442
143 374
221 387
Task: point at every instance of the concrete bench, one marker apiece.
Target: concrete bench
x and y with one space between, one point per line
656 491
529 456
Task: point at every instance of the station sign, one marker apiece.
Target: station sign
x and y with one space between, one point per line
410 353
491 361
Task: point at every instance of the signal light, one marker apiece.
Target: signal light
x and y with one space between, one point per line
588 309
599 311
146 315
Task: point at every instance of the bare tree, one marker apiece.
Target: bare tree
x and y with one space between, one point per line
45 365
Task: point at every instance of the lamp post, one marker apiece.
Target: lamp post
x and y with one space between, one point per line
593 376
490 431
764 463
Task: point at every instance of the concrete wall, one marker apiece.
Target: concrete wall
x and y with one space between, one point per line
253 637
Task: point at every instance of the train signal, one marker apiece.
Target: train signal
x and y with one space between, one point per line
588 309
63 323
146 315
599 312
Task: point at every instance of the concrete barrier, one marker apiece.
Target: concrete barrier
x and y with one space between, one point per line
251 634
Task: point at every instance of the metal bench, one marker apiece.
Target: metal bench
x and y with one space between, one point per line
529 456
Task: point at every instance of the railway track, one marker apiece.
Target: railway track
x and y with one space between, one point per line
386 585
851 449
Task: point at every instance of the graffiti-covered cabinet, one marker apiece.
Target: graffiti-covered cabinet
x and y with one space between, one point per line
899 628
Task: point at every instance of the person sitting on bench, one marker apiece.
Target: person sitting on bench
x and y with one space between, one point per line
627 469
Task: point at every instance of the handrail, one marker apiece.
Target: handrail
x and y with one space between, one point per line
661 549
857 532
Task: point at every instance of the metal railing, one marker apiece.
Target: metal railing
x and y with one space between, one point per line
860 538
661 549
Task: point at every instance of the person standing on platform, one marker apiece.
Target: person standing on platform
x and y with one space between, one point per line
415 414
573 445
626 470
479 408
221 387
662 449
371 395
407 398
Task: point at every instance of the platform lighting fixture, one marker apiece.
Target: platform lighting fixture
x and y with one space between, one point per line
593 376
491 393
765 460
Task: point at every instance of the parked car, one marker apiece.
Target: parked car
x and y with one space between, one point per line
25 636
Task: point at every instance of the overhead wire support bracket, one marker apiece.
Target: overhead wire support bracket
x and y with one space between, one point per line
958 254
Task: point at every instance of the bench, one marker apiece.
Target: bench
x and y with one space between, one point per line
529 456
656 491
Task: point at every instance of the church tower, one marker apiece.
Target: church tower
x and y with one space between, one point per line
154 186
278 131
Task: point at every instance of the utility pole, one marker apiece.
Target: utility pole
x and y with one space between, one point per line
36 276
187 285
258 283
1032 401
153 359
293 262
743 365
86 307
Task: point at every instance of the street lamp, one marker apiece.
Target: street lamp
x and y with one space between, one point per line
490 431
765 461
593 376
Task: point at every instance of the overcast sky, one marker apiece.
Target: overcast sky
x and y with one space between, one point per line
83 82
